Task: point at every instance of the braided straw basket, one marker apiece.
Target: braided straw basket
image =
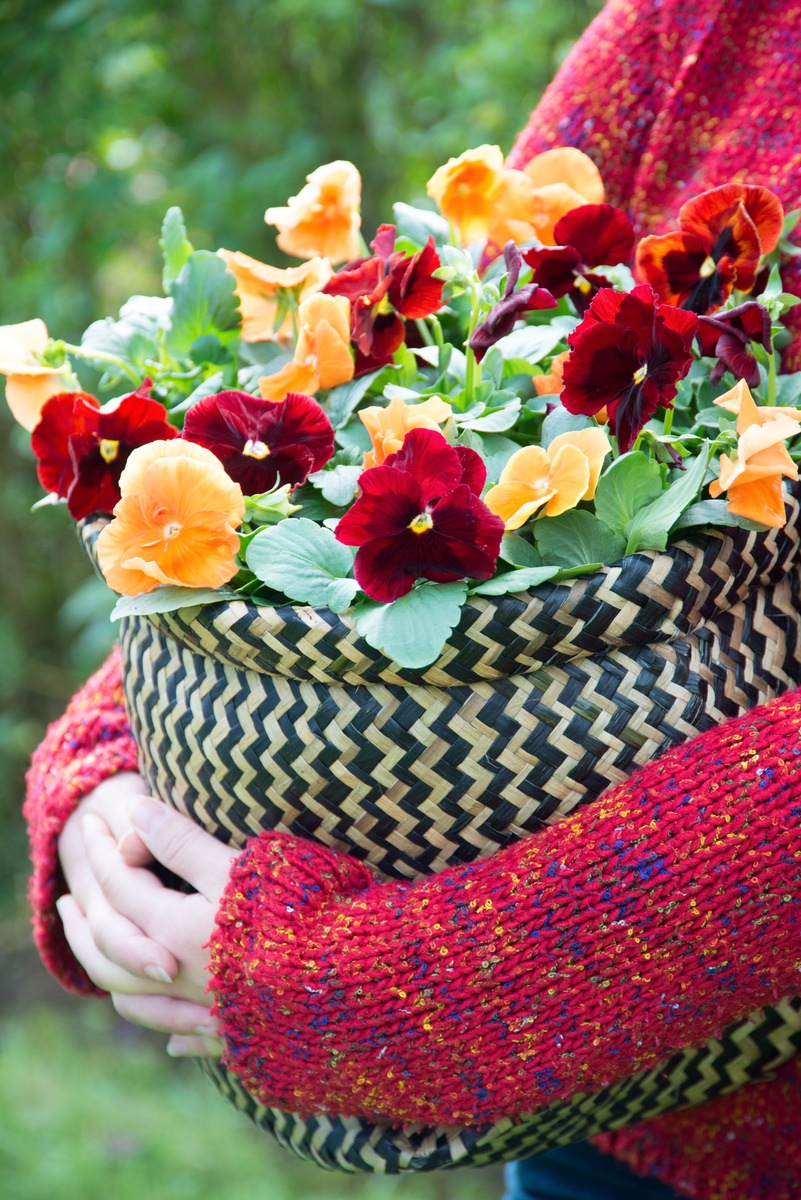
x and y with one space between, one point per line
250 718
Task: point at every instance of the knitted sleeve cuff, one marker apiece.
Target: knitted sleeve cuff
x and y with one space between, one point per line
645 923
89 743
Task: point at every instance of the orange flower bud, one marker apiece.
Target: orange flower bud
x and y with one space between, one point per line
323 219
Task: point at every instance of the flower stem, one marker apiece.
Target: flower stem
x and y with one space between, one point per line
102 357
771 397
424 331
668 423
472 370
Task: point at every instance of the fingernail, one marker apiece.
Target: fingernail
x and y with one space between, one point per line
158 974
130 836
176 1047
59 906
146 815
208 1030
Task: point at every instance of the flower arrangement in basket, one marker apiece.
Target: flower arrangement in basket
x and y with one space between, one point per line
418 553
481 401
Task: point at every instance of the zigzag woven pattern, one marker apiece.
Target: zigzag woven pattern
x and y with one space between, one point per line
249 718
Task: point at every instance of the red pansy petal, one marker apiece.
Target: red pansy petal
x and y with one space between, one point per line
386 568
601 366
671 263
762 206
736 356
413 292
435 465
472 530
602 234
390 501
50 439
680 322
554 267
384 241
605 306
474 473
631 411
357 279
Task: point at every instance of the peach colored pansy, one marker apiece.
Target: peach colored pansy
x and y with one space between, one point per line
29 385
752 480
176 522
259 287
551 384
739 401
323 219
322 356
557 477
388 426
467 190
564 178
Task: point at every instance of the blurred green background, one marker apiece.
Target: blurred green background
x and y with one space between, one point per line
110 112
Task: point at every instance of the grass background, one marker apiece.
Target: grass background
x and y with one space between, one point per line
110 112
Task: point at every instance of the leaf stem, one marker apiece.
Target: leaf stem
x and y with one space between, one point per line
102 357
771 397
424 331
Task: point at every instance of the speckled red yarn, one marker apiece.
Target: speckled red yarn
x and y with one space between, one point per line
671 98
91 742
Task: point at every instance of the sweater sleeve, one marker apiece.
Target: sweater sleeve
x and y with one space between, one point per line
89 743
644 923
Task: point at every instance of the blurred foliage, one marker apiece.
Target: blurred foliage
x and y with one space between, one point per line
70 1126
112 110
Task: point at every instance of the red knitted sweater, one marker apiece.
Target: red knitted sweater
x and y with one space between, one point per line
648 921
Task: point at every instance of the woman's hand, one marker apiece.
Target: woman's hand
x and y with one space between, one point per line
136 912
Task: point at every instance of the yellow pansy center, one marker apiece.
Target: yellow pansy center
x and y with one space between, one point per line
707 267
421 523
109 449
171 530
255 449
640 373
583 285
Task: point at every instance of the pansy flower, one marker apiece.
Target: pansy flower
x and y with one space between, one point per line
420 516
261 289
554 479
722 235
29 384
385 291
322 357
262 443
739 401
503 316
82 448
323 219
727 336
176 523
627 355
551 384
588 237
752 480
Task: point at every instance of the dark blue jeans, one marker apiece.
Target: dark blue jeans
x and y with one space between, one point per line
579 1172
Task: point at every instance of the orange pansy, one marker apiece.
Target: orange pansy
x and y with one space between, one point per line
551 384
752 480
176 522
29 385
557 477
739 401
259 287
388 426
564 178
466 190
323 219
322 356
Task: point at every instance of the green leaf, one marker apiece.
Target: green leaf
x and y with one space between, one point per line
299 558
788 389
494 420
628 485
338 485
343 401
175 247
419 224
715 513
649 529
168 599
530 342
204 302
576 539
561 421
134 336
413 630
519 552
496 452
341 594
514 581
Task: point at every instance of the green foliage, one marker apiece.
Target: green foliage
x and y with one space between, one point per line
413 630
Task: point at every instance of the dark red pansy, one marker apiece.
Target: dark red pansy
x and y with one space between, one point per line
590 236
503 316
722 235
384 291
262 443
627 356
82 449
419 516
727 336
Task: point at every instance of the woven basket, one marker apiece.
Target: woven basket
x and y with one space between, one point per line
251 718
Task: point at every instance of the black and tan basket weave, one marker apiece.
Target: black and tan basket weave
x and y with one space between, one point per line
251 718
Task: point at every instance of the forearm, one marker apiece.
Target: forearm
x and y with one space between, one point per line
90 743
645 923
